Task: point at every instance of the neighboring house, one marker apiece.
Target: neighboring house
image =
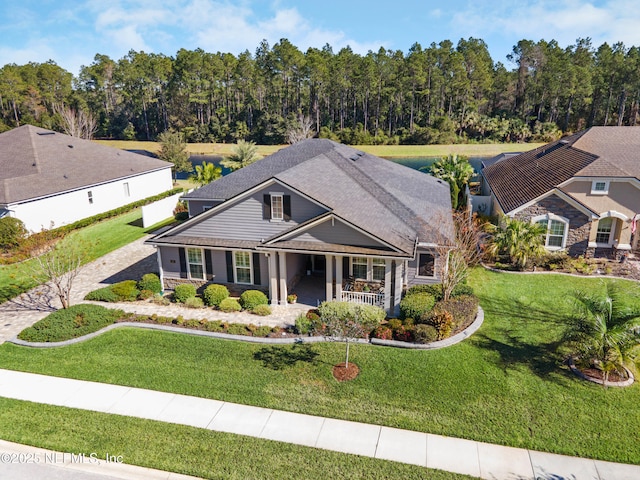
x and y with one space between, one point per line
584 188
358 227
48 179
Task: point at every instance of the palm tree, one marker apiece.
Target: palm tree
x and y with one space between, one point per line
244 154
519 239
455 170
606 331
206 173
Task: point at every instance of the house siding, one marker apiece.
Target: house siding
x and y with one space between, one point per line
244 221
198 206
579 224
412 270
337 232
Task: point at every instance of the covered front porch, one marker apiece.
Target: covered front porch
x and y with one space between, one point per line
314 278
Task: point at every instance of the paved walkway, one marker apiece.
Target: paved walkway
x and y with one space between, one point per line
433 451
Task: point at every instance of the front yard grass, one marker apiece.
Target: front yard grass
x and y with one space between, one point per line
187 450
104 237
506 384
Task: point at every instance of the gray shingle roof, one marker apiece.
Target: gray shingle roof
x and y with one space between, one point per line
35 162
390 201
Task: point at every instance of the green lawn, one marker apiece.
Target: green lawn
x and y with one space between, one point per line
103 237
504 385
188 450
472 150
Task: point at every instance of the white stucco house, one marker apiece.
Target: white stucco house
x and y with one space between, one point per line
48 179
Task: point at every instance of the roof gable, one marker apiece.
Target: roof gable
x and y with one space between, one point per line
35 163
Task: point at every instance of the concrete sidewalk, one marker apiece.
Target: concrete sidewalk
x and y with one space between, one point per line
433 451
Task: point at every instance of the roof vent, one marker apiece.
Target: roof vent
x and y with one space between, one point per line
46 133
70 146
65 175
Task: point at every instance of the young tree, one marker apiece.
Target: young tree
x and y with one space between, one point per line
206 173
60 267
244 154
344 322
174 150
519 239
606 330
457 171
465 252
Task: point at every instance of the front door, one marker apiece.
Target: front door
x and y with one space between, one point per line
319 263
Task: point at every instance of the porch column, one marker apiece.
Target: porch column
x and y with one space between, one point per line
283 278
273 278
397 295
329 277
387 287
159 256
338 277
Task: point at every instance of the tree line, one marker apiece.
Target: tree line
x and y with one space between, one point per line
443 93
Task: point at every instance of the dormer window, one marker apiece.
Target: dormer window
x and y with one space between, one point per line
599 187
276 206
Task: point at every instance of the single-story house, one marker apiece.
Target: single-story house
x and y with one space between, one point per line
48 179
585 188
317 218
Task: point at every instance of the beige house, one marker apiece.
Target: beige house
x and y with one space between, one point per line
585 188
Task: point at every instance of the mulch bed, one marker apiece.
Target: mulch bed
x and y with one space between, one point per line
595 373
344 374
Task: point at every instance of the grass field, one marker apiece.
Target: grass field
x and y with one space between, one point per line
103 237
188 450
471 150
506 384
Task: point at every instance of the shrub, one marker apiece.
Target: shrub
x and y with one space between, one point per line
263 331
252 298
416 305
342 310
434 289
194 302
229 305
126 291
183 292
145 294
303 324
214 294
73 322
159 299
425 334
262 310
215 326
403 333
151 282
237 329
443 323
383 332
462 308
12 232
102 295
462 289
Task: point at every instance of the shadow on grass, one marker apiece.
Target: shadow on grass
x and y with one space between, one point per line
277 358
136 223
543 360
523 310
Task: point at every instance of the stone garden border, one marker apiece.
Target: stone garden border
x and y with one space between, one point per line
629 381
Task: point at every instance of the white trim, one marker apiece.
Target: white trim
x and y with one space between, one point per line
611 240
272 196
563 196
595 191
615 214
235 271
202 263
552 216
260 248
418 265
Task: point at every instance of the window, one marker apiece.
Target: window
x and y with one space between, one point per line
556 231
426 265
359 267
126 189
90 196
378 268
603 235
206 207
242 267
277 211
194 258
599 187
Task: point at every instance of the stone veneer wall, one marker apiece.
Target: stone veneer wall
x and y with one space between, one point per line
579 223
235 289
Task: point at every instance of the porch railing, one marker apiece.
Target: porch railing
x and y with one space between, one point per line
376 299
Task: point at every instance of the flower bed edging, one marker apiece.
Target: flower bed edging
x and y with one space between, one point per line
625 383
457 338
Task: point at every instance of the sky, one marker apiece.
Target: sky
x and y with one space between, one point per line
72 32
